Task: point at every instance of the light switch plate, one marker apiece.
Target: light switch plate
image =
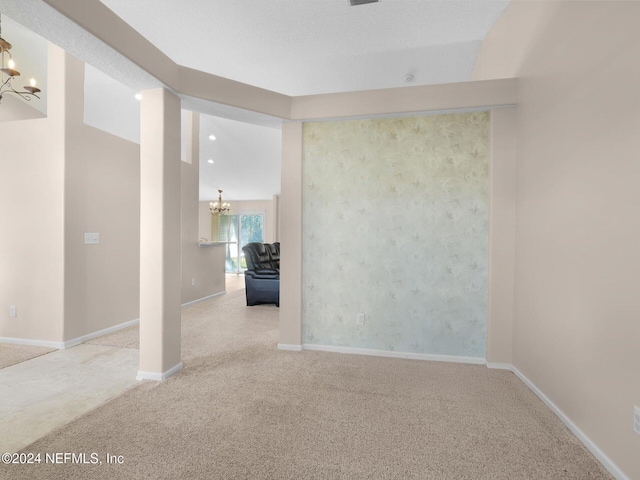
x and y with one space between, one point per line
636 419
91 238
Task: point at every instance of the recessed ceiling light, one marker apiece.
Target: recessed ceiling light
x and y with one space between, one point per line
362 2
212 137
210 160
138 96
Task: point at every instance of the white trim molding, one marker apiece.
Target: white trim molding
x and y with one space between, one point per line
33 343
499 366
68 343
586 441
392 354
593 448
612 468
159 377
90 336
224 292
291 348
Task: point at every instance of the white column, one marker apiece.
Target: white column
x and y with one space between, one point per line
160 229
290 212
502 230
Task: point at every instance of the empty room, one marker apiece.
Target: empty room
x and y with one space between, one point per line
319 239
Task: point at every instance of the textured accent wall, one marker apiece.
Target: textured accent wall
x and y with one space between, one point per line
395 225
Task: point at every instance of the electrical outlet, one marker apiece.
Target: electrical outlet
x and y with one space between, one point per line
193 282
636 419
360 319
12 311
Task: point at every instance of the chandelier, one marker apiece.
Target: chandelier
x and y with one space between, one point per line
9 73
219 208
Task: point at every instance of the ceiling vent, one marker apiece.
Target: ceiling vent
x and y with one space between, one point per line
362 2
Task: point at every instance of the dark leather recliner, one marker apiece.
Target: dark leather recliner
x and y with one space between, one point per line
262 277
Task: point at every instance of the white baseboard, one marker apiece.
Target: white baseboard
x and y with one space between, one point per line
392 354
592 447
31 342
586 441
292 348
90 336
68 343
500 366
203 298
159 377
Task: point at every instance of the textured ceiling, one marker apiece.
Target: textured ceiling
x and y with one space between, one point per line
300 47
294 47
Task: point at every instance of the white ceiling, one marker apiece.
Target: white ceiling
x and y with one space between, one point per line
246 156
295 47
246 160
301 47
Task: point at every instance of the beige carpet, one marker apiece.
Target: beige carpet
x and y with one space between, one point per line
11 354
195 319
241 409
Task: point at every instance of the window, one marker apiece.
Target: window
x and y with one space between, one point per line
241 229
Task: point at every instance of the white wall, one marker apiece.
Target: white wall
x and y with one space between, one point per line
204 265
502 219
30 53
102 195
576 329
70 179
60 179
32 208
111 106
